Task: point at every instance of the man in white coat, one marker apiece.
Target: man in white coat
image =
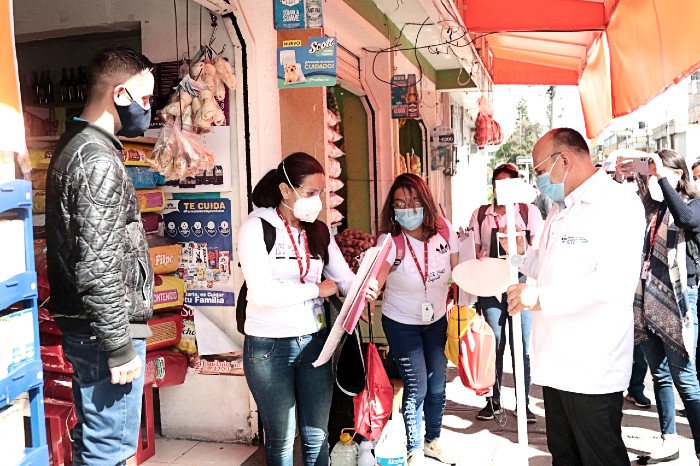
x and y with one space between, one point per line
587 268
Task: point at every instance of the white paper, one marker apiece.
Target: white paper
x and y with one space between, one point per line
210 338
357 291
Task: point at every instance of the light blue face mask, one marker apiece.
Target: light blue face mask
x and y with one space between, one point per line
410 219
554 191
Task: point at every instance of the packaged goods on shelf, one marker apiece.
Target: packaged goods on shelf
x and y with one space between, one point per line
332 135
53 359
165 255
166 331
136 154
13 262
144 178
151 222
334 216
12 433
169 293
39 201
188 341
150 200
58 386
165 368
332 118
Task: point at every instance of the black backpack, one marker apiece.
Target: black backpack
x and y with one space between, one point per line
269 236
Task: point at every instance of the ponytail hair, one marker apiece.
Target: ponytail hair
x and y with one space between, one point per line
292 169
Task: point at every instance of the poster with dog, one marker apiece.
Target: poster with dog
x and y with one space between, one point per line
311 65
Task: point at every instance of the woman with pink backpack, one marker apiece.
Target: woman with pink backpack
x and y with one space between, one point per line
415 278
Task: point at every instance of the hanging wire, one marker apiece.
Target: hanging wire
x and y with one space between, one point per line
177 51
187 27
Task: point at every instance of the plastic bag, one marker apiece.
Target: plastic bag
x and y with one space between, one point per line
477 357
374 404
460 319
178 154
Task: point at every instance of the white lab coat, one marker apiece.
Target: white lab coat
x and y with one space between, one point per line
587 268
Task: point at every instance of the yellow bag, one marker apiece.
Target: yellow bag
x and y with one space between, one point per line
460 318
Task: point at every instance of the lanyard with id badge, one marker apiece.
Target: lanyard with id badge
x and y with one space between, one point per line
319 310
427 309
652 243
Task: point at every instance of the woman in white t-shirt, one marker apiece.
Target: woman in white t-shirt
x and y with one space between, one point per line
285 252
416 275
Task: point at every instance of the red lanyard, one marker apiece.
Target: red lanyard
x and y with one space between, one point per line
652 233
423 276
302 274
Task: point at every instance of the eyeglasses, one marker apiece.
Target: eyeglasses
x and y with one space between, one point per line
540 164
399 204
151 99
309 192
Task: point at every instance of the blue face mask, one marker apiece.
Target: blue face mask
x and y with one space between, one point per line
554 191
134 119
409 219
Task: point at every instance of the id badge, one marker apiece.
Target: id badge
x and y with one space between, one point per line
320 316
645 270
427 312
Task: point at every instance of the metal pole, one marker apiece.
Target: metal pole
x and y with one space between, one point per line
517 341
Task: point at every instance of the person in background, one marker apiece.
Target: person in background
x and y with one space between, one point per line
665 305
543 203
414 309
635 390
99 268
587 266
696 173
494 311
285 323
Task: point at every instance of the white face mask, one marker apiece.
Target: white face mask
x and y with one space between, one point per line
655 189
305 209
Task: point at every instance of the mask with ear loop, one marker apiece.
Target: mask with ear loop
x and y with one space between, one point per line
305 209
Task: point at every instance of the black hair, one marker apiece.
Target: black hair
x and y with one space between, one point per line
293 169
695 164
112 66
568 138
509 168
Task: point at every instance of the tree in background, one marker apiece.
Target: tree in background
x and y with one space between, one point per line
521 141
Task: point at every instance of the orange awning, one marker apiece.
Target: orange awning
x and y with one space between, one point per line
621 53
12 127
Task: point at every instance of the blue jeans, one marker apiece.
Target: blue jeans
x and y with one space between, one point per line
281 378
496 315
419 352
639 372
109 415
669 367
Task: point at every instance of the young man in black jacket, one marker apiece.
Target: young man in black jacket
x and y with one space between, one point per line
98 263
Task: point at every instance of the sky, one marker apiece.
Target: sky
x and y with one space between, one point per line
567 106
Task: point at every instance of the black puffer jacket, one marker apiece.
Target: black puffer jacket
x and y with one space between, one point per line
98 263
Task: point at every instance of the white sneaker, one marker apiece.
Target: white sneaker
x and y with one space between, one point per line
416 458
436 449
667 452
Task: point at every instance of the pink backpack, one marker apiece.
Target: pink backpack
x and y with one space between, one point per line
400 242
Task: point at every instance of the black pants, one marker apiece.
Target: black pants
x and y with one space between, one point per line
583 429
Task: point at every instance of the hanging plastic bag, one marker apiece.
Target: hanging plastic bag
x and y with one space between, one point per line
374 404
477 356
460 319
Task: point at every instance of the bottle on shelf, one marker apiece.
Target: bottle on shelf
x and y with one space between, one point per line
35 88
41 89
82 83
49 88
346 451
63 85
366 457
72 87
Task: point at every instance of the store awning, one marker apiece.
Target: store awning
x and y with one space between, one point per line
12 127
621 53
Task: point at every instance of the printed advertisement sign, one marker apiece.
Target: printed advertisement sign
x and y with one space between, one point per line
310 65
405 102
203 227
442 143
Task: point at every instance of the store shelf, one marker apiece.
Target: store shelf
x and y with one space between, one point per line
26 376
15 194
18 288
38 456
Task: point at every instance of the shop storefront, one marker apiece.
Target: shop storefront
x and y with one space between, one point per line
261 124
